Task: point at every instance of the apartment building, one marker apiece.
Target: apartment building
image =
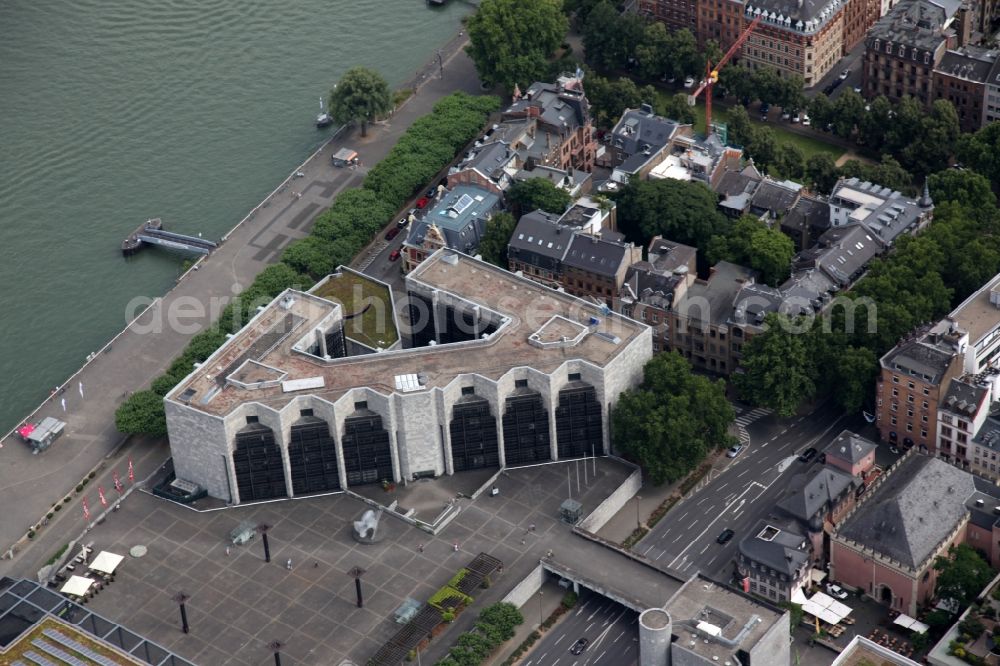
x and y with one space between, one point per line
961 78
774 560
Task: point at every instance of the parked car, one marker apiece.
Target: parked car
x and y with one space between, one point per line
580 645
734 451
688 82
394 255
797 118
857 89
725 536
764 109
785 115
836 591
392 233
422 202
808 454
805 119
844 74
431 193
403 222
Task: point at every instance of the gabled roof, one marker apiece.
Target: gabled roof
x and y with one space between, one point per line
849 447
819 492
777 546
539 233
920 359
595 255
776 197
963 398
913 510
638 128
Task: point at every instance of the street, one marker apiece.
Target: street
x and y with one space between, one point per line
742 493
612 629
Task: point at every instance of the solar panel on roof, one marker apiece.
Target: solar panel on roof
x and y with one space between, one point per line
463 202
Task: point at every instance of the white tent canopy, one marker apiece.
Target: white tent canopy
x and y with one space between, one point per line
798 596
77 586
106 562
826 608
910 623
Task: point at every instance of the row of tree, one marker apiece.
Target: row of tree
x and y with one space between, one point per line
920 281
338 234
495 625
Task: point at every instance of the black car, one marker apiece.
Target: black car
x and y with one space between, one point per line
579 646
808 455
725 536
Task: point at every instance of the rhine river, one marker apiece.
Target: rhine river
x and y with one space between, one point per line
115 111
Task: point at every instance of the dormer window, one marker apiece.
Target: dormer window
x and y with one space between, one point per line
888 48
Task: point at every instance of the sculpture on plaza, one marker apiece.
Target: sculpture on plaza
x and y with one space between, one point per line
366 529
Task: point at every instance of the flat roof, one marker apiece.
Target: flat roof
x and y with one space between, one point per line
976 314
739 618
525 307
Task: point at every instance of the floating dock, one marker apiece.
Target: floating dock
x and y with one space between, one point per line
151 232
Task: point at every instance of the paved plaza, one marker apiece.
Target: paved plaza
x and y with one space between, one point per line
239 603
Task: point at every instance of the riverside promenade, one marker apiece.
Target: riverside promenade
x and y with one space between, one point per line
31 484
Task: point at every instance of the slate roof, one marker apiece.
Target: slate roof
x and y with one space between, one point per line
799 10
641 127
818 493
916 23
919 359
460 214
667 255
646 284
775 197
718 292
963 398
912 511
490 159
808 215
850 447
786 551
734 183
846 251
968 64
595 255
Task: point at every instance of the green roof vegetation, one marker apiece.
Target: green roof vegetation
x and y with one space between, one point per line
367 308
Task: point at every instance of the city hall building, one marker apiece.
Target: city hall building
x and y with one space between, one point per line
489 369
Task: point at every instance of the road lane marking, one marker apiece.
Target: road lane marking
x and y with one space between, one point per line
705 548
685 515
742 473
559 639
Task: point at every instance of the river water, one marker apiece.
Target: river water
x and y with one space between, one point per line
115 111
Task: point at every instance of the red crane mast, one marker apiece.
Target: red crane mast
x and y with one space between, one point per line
712 73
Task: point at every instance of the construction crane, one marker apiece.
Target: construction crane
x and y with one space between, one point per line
712 73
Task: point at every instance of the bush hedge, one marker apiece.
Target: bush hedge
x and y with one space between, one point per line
338 235
495 625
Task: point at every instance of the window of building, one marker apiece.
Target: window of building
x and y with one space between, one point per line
361 404
252 419
924 404
895 392
909 427
574 376
305 412
910 385
895 379
909 413
893 420
520 383
468 390
924 418
923 432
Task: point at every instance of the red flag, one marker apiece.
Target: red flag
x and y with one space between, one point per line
100 493
86 510
131 471
118 482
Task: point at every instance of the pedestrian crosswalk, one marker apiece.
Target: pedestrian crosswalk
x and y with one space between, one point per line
743 420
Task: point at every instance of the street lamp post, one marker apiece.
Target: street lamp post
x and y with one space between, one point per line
357 573
276 648
540 593
181 598
263 528
638 523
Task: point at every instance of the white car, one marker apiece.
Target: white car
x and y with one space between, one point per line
734 451
797 118
805 119
844 74
688 82
836 591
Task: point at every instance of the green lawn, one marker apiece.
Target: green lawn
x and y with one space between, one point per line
374 325
808 145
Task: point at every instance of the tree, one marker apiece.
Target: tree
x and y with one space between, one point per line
686 212
821 111
778 368
142 414
888 173
962 575
739 126
790 161
610 37
653 53
534 193
767 83
505 617
673 420
677 108
510 40
855 370
493 245
981 151
965 187
608 99
762 146
361 96
875 123
311 255
737 80
930 147
821 172
750 242
848 111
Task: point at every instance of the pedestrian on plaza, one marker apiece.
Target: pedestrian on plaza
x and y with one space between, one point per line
227 551
288 564
420 548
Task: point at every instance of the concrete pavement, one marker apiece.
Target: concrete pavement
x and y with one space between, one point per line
30 484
